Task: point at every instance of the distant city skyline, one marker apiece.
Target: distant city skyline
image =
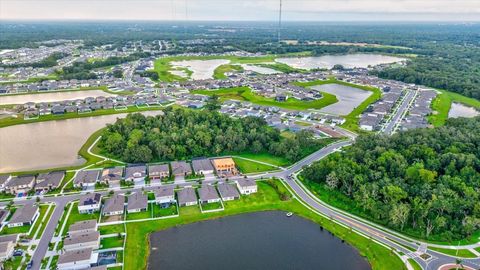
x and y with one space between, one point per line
242 10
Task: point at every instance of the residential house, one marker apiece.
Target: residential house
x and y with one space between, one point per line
49 181
246 186
228 192
86 178
25 215
208 194
136 173
112 176
137 202
164 196
224 166
114 205
158 171
76 259
6 250
3 215
82 240
202 166
180 168
187 197
89 203
20 184
84 226
3 181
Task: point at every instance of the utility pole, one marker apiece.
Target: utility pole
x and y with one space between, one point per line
279 22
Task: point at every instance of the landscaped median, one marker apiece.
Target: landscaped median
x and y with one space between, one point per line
267 198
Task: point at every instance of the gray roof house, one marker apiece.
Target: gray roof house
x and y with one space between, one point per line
114 205
3 181
137 202
158 171
202 166
246 186
136 173
181 168
75 259
112 175
228 192
164 194
208 194
20 184
83 226
3 215
89 203
187 197
82 240
49 181
86 178
25 215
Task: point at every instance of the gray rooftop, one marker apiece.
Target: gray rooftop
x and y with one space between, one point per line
227 190
52 179
24 214
207 193
4 178
3 214
246 182
85 177
9 237
114 204
202 165
115 173
180 167
136 171
90 199
75 256
163 191
20 181
157 169
83 225
186 195
79 238
137 200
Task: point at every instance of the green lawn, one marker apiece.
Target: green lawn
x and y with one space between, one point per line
247 166
110 229
41 225
111 242
75 216
414 264
211 206
163 212
442 103
141 215
20 229
267 158
477 249
246 94
12 263
119 256
136 252
219 72
464 253
279 67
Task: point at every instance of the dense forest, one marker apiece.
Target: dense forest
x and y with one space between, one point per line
424 182
183 134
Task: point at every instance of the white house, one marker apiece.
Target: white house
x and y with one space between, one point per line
164 195
82 240
6 250
89 203
24 216
77 259
247 186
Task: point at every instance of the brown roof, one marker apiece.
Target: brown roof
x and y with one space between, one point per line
75 256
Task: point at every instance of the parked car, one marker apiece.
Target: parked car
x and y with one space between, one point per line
30 264
18 252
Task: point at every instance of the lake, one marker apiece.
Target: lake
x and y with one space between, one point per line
460 110
52 96
348 98
263 240
49 144
260 70
348 61
201 69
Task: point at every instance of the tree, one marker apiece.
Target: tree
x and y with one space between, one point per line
213 103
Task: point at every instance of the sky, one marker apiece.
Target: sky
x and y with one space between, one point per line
242 10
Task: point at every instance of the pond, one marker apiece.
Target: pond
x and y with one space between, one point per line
52 97
263 240
348 61
49 144
201 69
260 70
348 98
460 110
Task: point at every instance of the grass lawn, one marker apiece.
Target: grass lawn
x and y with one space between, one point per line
477 249
41 227
75 216
267 198
464 253
219 72
211 206
246 94
12 263
247 166
4 195
111 229
119 256
141 215
188 210
267 158
442 103
115 268
163 212
414 264
280 67
21 229
111 242
53 264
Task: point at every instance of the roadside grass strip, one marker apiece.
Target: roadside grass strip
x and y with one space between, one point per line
414 264
45 221
461 253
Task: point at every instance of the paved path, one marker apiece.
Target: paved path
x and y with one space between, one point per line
397 117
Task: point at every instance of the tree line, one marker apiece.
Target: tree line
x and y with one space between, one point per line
424 182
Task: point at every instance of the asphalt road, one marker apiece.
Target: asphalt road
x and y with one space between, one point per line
390 127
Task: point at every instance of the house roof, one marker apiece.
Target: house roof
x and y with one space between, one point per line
223 162
186 195
78 238
246 183
137 200
75 256
20 181
163 191
140 169
83 225
9 237
89 199
52 179
180 167
4 178
227 190
115 173
24 214
207 192
3 214
85 177
202 165
5 245
114 204
157 169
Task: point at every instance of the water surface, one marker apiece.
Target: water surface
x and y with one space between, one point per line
460 110
201 69
348 98
347 60
260 70
52 96
264 240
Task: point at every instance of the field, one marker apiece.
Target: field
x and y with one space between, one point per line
442 103
136 252
247 166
